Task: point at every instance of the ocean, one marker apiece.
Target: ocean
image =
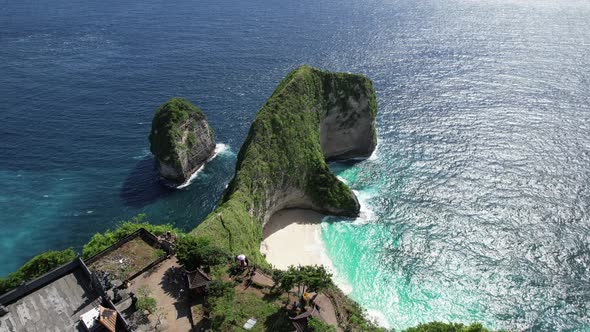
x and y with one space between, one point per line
475 204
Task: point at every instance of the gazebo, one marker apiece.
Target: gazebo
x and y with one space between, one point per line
198 280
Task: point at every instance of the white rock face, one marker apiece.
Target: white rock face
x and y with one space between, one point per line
195 147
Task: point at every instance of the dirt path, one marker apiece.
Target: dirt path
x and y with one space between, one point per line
263 280
327 310
167 287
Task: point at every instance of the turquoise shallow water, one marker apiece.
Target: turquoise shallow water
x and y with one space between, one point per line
476 205
407 259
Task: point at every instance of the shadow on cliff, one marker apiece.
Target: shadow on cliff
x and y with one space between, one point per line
337 166
143 186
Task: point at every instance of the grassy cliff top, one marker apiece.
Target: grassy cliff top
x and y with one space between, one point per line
166 125
282 153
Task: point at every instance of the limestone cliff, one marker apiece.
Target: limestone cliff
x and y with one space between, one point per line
311 117
180 139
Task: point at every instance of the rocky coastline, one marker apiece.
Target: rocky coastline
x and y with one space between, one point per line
312 117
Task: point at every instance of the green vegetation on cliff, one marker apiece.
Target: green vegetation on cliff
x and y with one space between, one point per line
193 252
228 309
166 131
100 242
447 327
36 267
282 154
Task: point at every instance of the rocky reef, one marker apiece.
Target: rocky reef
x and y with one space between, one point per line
180 140
312 116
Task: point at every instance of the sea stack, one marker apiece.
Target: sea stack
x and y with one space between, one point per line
312 117
180 140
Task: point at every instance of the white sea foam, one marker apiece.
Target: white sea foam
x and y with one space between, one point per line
366 215
378 318
191 178
219 149
144 153
374 154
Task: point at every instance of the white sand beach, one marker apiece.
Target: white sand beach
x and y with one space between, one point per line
294 237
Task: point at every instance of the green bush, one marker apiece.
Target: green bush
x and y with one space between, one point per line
100 242
194 252
144 301
221 302
354 314
230 312
36 267
317 325
447 327
219 288
158 253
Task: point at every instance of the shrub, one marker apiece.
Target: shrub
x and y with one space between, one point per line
146 303
354 315
158 253
222 305
221 289
447 327
317 325
194 252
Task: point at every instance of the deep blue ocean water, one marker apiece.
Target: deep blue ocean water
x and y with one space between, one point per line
476 204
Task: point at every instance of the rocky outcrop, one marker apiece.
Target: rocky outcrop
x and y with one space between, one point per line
313 116
180 140
347 130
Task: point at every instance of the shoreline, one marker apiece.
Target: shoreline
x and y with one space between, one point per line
294 237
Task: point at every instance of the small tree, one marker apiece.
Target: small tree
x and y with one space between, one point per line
306 278
147 303
194 252
144 301
277 276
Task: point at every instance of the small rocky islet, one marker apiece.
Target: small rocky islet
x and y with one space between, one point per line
180 140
